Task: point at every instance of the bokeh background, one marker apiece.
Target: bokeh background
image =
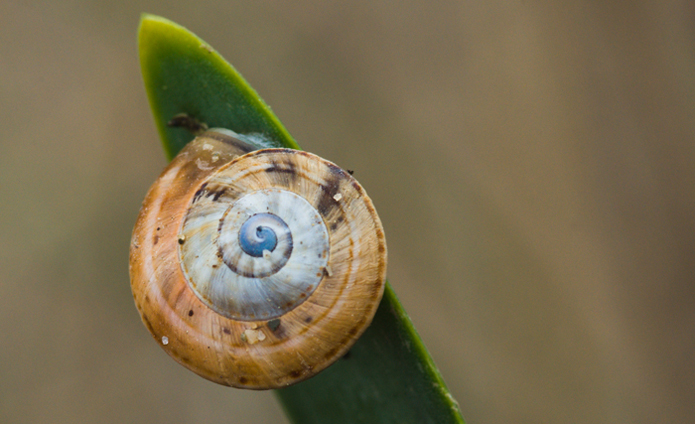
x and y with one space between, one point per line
533 163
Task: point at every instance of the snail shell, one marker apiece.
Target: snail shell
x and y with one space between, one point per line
256 269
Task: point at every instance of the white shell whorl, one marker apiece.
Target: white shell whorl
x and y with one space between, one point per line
235 283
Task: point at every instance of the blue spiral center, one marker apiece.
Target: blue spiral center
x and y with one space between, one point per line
258 234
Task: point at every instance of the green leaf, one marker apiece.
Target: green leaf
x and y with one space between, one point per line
388 376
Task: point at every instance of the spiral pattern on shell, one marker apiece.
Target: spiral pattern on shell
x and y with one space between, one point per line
259 268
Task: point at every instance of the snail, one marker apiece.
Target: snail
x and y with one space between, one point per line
256 268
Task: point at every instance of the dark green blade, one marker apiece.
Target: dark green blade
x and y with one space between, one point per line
388 376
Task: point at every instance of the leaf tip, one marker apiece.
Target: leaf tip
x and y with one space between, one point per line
149 21
146 18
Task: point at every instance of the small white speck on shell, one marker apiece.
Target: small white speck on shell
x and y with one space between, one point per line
253 336
202 165
337 197
207 146
165 340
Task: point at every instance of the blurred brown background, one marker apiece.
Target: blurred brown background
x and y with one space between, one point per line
533 164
